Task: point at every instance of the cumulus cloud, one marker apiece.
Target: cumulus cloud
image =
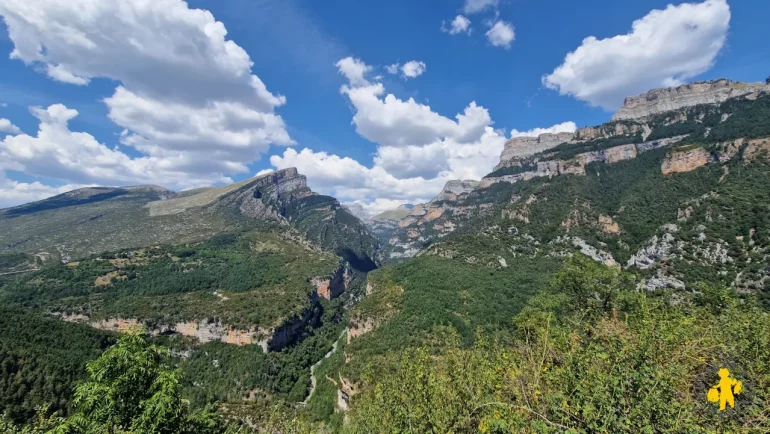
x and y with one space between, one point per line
413 69
501 34
355 70
564 127
664 48
390 121
419 150
78 158
7 127
476 6
413 161
186 97
460 24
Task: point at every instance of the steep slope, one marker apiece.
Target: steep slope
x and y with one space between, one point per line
678 199
385 223
615 191
93 220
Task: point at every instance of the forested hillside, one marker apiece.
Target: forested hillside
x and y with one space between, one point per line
598 285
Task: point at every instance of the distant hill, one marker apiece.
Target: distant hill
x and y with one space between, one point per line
92 220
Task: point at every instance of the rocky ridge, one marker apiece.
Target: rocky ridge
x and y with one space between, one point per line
526 158
688 95
577 165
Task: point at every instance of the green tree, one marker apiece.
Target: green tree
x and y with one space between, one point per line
592 286
132 389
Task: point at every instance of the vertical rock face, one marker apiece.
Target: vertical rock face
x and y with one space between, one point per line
453 190
203 331
685 161
688 95
333 286
521 147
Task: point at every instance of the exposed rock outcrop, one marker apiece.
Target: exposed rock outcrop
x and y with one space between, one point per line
346 391
331 287
577 165
680 161
248 194
520 147
756 148
705 92
454 190
589 250
202 330
657 247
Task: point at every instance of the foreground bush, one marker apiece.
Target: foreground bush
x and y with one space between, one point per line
591 355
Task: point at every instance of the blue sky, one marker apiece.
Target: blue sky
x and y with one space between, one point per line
175 96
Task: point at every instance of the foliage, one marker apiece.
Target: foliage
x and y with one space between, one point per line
263 277
326 223
132 388
636 364
321 406
219 372
429 296
512 170
41 359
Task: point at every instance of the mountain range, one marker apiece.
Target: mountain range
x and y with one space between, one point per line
251 284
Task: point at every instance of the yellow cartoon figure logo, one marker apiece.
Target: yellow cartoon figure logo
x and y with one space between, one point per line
724 391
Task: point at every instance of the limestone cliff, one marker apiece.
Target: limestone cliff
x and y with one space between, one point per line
331 287
685 160
688 95
247 195
577 164
203 331
453 190
519 147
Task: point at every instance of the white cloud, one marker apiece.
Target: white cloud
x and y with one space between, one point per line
186 98
476 6
413 161
664 48
393 69
460 24
7 127
60 73
264 172
413 69
78 158
14 193
379 205
355 70
418 151
390 121
564 127
349 180
501 34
